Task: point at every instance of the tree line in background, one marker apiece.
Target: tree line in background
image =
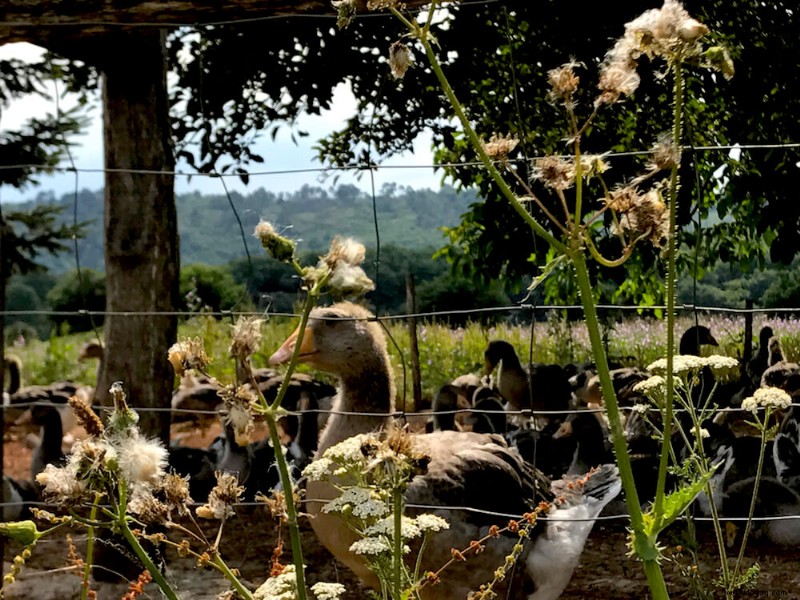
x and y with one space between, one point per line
262 284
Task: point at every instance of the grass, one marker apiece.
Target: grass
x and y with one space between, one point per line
445 352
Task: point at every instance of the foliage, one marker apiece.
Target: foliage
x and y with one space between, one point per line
209 232
74 293
206 288
20 296
449 292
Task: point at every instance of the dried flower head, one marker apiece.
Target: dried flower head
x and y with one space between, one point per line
176 492
665 154
618 78
87 418
345 12
279 247
647 217
344 250
240 401
188 354
222 498
61 484
499 147
246 337
563 83
555 172
146 507
141 460
399 59
350 280
719 59
622 199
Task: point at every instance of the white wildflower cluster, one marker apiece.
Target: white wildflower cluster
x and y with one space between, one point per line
280 587
369 471
362 503
327 591
682 364
767 397
650 385
703 433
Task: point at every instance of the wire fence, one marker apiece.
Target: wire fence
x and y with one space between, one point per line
370 167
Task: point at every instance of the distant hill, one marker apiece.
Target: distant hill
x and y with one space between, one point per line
209 232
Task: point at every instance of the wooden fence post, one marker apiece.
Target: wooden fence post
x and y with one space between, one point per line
747 353
411 307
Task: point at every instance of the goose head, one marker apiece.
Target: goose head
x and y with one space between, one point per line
345 340
695 337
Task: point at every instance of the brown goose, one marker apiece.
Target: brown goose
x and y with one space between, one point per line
466 469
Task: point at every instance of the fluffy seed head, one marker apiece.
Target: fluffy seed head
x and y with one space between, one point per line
399 59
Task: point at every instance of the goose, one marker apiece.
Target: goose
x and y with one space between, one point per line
48 451
16 495
13 366
786 451
451 397
755 367
775 499
623 379
592 443
545 387
465 469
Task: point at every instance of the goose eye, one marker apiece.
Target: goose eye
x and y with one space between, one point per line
330 323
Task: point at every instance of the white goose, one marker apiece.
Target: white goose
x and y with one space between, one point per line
466 469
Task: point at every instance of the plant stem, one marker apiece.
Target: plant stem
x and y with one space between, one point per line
677 128
87 567
754 499
291 509
652 569
122 522
242 591
397 554
476 141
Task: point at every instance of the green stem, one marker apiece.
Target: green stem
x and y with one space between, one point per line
398 541
122 523
87 567
220 564
476 141
677 127
291 509
754 499
655 577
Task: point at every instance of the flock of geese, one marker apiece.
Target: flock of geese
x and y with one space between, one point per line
499 443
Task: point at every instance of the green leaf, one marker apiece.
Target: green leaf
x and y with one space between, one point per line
679 500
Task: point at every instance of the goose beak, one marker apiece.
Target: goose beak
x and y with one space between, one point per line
564 431
284 353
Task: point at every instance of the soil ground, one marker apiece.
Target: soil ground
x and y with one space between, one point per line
248 541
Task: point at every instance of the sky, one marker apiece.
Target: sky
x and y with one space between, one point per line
281 154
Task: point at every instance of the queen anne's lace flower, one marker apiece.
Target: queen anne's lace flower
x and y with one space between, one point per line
319 469
428 522
408 526
772 396
682 364
327 591
370 546
656 382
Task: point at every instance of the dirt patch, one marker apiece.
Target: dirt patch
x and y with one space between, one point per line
604 570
